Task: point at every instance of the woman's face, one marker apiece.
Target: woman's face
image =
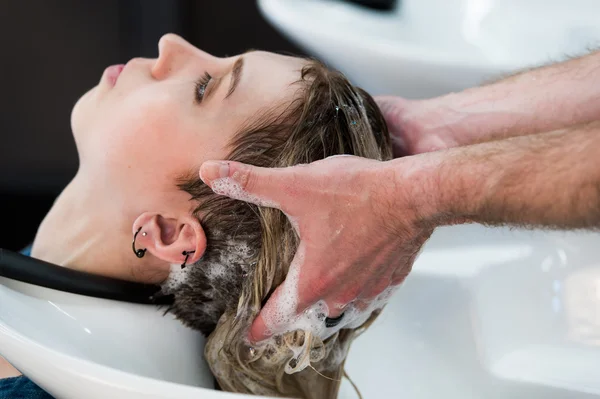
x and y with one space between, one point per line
154 119
143 126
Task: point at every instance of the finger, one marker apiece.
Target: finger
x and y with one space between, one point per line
391 107
362 304
357 298
282 306
399 276
399 146
258 331
338 301
336 309
273 312
378 287
260 186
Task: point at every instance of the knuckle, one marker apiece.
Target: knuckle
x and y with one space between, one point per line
318 289
400 275
326 282
244 177
361 305
310 294
379 287
397 280
294 183
349 294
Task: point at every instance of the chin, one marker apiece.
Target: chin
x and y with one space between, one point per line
83 112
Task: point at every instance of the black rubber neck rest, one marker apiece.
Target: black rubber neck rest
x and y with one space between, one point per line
37 272
384 5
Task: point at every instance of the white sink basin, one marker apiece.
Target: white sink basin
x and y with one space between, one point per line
486 313
431 47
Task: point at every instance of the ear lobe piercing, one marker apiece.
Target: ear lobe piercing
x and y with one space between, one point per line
187 255
138 252
141 252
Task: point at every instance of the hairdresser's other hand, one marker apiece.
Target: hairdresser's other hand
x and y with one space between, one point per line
418 126
361 225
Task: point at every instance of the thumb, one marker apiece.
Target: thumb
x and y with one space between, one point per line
392 108
391 104
260 186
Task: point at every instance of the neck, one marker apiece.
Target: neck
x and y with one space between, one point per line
6 370
83 232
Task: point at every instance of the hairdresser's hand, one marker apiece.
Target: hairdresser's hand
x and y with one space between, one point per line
361 224
415 126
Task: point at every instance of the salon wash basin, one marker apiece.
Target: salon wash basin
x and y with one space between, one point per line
486 313
425 48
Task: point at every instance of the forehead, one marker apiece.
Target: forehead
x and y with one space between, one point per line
268 78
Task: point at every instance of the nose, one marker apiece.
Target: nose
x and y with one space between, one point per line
176 54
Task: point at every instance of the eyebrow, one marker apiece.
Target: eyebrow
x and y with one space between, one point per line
236 74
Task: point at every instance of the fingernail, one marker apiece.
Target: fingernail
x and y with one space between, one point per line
212 170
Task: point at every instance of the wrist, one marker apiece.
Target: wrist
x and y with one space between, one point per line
418 192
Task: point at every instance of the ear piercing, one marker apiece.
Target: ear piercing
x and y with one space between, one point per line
141 252
138 252
187 255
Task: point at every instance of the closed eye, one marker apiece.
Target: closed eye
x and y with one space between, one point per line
200 87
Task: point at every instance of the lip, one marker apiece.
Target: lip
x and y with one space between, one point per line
112 73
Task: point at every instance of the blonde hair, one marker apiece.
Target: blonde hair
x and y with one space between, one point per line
250 248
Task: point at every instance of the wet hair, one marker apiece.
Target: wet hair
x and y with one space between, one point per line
250 248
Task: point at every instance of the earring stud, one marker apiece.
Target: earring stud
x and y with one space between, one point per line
187 255
138 252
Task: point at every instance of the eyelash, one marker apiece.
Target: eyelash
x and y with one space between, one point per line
201 86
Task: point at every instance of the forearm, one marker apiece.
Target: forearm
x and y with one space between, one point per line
548 179
539 100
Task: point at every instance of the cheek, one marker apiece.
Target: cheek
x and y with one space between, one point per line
134 134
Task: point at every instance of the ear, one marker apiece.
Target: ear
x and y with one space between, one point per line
168 237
